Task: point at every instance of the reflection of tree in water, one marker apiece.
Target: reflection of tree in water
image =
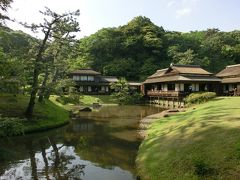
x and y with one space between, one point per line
47 163
61 162
93 142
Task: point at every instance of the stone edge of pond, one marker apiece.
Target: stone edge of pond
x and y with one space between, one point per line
148 120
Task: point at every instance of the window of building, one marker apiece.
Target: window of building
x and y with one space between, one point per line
102 88
81 88
171 87
89 89
188 87
76 78
90 78
203 87
83 78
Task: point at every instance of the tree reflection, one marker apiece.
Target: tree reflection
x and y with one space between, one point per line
29 146
45 159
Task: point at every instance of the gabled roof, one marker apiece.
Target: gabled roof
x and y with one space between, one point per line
180 69
158 73
233 70
185 78
187 69
85 71
181 73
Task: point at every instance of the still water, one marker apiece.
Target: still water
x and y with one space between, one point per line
99 145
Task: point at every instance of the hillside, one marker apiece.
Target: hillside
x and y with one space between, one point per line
137 49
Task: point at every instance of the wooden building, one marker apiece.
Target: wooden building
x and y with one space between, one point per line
179 81
230 80
91 82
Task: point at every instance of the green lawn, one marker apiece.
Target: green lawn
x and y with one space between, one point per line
46 115
202 143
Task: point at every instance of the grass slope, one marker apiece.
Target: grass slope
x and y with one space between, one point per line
47 115
202 143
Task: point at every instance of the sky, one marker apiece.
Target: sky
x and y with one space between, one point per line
174 15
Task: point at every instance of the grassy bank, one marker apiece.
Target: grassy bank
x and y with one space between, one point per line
46 115
86 100
201 143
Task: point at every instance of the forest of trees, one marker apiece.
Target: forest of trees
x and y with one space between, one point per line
139 48
134 51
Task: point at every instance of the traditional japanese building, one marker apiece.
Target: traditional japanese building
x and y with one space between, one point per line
179 81
230 79
91 82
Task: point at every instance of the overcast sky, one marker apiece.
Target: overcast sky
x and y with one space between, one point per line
176 15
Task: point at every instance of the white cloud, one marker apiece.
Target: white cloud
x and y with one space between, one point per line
171 3
189 1
183 12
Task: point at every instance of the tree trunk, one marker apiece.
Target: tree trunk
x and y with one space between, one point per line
43 87
49 91
36 72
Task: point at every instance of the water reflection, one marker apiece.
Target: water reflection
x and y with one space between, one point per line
97 147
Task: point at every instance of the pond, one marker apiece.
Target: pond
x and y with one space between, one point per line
97 145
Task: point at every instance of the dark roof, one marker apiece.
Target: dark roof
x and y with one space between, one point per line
85 71
233 70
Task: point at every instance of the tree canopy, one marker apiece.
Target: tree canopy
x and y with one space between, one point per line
139 48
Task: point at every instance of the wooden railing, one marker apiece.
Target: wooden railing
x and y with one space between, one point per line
166 93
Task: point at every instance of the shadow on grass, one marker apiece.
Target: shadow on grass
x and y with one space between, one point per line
204 153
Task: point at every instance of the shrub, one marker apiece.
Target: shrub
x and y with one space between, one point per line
11 126
11 86
72 98
197 98
135 98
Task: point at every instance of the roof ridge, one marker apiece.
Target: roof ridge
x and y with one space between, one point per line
182 65
234 65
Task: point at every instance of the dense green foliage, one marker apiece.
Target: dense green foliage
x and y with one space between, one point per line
72 99
138 49
122 95
15 58
11 126
197 98
201 143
